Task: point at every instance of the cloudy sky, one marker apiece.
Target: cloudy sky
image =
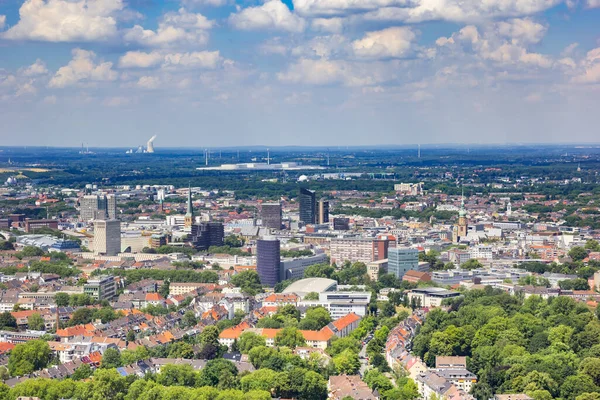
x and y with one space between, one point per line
312 72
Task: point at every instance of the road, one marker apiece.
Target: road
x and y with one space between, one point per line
362 355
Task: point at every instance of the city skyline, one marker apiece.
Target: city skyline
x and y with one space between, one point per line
209 73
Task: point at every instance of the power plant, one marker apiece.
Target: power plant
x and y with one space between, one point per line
150 145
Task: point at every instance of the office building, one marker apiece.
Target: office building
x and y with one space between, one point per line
293 268
308 206
358 249
430 297
32 224
268 260
323 214
270 214
97 207
101 288
401 260
341 224
340 304
207 234
107 237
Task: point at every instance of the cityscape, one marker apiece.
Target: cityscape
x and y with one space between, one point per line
299 200
415 273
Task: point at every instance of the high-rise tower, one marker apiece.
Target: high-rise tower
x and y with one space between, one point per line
308 206
189 215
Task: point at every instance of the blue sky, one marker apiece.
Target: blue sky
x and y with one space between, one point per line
299 72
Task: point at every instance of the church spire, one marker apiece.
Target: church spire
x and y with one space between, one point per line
190 210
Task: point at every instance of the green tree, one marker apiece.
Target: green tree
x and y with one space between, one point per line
216 370
314 387
248 281
28 357
576 385
591 367
250 340
347 362
61 299
84 371
289 337
7 320
106 384
189 318
36 322
130 335
176 375
111 358
263 379
210 335
341 344
592 245
471 264
31 251
578 253
311 296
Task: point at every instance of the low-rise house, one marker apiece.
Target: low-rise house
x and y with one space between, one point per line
353 386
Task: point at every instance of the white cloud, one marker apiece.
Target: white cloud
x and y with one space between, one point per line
2 21
82 68
392 42
459 10
492 46
37 68
201 3
140 59
148 82
522 30
116 101
533 97
197 59
328 72
592 3
272 15
66 20
340 7
323 47
333 25
590 72
274 46
315 72
179 27
25 89
50 100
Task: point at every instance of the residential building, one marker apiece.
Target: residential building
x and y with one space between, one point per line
107 237
344 386
101 288
401 260
363 250
268 260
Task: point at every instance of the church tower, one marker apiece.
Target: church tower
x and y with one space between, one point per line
189 215
460 230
